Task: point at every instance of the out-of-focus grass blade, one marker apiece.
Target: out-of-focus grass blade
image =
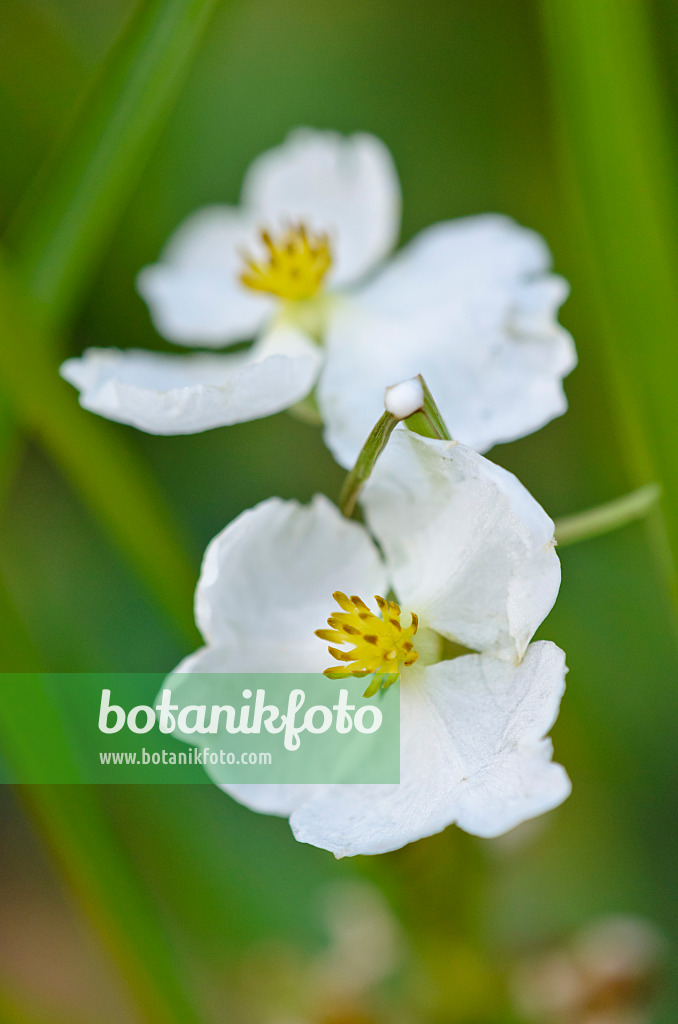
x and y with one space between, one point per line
17 651
71 209
39 98
80 837
94 456
9 448
72 822
13 1011
57 237
620 187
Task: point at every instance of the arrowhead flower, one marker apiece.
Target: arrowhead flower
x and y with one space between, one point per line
469 557
300 266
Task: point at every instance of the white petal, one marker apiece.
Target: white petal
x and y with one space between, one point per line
194 292
173 394
472 752
280 799
470 305
265 586
347 186
466 256
267 655
468 548
498 716
267 581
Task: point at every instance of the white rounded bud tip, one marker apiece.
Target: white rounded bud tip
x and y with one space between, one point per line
404 399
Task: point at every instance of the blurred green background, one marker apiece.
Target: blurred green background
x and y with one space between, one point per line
562 114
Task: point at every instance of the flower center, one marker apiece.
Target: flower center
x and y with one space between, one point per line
293 266
381 645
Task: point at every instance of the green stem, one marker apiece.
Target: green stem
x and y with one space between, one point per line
371 450
428 421
605 518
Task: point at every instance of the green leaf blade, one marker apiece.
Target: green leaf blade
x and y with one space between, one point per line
73 206
619 178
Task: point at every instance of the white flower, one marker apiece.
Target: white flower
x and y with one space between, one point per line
469 553
470 304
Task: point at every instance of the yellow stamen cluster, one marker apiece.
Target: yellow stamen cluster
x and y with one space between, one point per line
293 266
381 644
